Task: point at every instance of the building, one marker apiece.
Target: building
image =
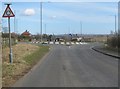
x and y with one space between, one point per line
26 34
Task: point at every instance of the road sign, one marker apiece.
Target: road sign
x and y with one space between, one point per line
8 12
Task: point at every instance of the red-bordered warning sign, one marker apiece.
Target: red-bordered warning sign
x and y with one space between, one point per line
8 12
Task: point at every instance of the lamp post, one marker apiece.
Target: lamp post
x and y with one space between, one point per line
45 28
41 4
45 32
115 24
41 21
115 19
81 28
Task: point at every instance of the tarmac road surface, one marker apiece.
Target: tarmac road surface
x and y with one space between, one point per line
74 66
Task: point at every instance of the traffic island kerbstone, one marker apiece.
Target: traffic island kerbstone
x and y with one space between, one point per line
107 52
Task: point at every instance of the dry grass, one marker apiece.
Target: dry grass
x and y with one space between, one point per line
12 72
19 51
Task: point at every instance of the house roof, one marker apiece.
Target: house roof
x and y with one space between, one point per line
26 33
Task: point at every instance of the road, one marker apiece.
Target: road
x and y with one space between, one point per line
75 66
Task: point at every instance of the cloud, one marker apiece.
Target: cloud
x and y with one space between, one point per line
29 12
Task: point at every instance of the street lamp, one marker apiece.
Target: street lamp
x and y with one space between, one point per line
41 20
115 24
81 28
115 19
41 3
45 28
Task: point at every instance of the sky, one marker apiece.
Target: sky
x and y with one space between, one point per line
63 17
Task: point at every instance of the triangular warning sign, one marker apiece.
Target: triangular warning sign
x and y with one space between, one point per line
8 12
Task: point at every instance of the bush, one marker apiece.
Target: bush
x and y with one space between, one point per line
114 41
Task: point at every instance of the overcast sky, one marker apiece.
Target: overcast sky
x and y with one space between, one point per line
64 17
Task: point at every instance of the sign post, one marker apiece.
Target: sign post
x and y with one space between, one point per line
7 14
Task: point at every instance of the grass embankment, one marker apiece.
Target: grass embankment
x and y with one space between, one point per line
25 56
111 49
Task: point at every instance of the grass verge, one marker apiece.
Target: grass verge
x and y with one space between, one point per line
24 60
34 57
111 49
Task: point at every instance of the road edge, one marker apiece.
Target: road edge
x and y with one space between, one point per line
112 55
33 68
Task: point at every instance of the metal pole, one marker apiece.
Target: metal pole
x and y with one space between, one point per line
14 24
81 28
41 19
69 29
10 55
115 24
45 33
45 28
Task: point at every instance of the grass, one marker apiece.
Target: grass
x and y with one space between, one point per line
34 57
25 56
110 49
